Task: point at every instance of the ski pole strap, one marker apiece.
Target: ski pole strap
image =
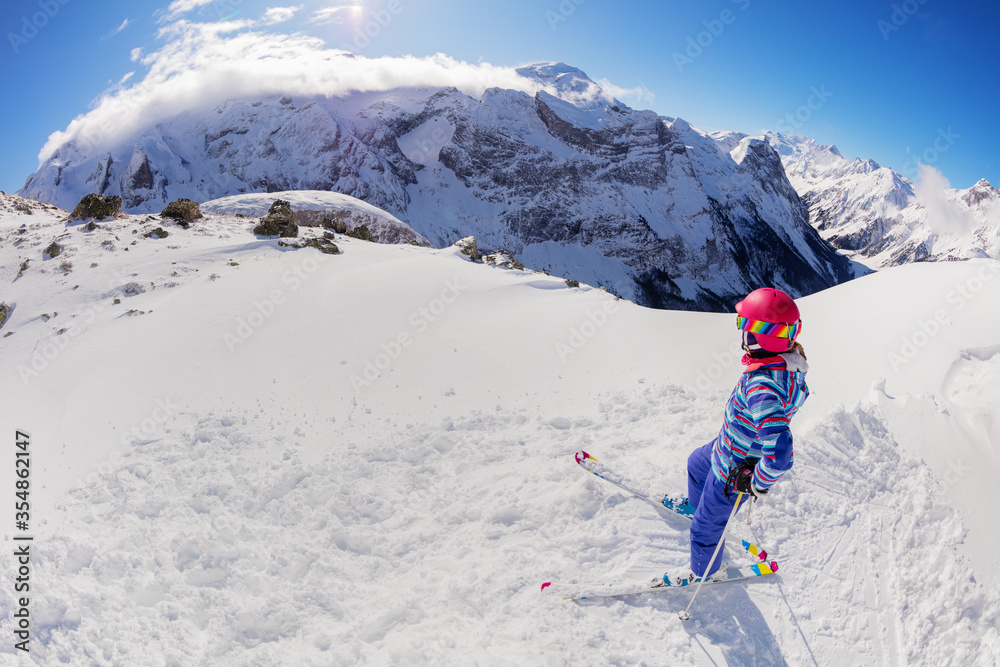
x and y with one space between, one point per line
731 481
748 464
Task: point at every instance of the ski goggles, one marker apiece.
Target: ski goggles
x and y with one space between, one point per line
789 331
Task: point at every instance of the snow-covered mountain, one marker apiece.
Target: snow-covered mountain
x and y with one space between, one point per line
570 181
882 217
246 453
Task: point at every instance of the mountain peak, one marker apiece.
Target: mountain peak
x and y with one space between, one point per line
570 84
559 75
866 165
832 149
979 192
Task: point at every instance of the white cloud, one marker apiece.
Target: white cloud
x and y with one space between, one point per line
117 30
640 93
184 30
204 64
126 78
332 14
275 15
944 215
136 54
180 7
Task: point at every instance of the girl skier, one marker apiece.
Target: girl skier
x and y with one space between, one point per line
754 447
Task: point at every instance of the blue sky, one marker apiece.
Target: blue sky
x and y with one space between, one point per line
898 82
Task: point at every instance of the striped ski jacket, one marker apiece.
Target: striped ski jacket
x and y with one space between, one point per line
765 399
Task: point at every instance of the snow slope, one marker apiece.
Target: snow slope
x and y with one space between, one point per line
284 457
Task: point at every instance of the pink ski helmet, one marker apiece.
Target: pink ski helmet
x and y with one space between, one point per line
769 320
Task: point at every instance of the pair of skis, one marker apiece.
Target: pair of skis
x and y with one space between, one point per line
677 505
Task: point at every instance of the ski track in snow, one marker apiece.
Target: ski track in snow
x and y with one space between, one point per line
220 543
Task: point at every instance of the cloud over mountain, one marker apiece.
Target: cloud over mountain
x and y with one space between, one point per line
204 64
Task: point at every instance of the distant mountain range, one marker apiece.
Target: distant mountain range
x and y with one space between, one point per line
882 216
570 181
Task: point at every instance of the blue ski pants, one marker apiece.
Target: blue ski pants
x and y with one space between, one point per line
712 510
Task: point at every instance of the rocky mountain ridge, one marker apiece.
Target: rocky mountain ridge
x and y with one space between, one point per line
570 181
881 217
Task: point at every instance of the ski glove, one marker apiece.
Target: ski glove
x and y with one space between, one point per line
741 479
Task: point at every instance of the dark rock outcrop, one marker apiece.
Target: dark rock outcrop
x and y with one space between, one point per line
53 250
5 311
502 258
362 232
184 211
278 221
469 247
336 223
97 206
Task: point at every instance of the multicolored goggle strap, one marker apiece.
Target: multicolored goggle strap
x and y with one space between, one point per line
789 331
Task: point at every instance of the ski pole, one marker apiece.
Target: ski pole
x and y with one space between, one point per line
684 615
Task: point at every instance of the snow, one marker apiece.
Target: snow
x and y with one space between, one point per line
582 263
296 458
353 211
572 86
592 117
423 143
257 204
888 218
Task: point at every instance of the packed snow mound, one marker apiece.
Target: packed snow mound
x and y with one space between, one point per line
265 454
310 207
